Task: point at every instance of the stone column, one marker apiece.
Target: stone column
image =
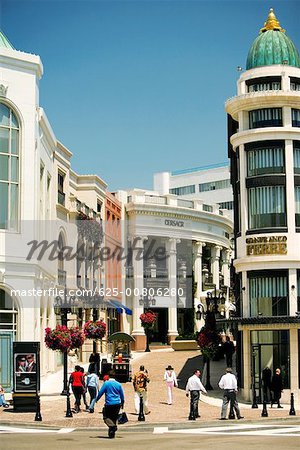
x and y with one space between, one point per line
215 265
198 250
138 274
172 267
226 266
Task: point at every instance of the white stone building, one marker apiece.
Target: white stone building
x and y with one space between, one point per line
265 165
194 241
40 198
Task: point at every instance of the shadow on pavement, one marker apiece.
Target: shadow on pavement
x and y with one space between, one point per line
188 369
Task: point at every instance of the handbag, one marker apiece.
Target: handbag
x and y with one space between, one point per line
122 418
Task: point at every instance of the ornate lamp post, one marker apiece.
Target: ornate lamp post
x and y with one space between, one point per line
63 307
147 301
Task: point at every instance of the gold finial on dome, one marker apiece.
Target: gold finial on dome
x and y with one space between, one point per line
272 23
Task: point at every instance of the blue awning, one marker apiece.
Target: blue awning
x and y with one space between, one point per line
120 307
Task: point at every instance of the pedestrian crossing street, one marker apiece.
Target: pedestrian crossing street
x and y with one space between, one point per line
237 430
13 430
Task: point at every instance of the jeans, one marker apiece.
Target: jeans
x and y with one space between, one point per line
2 401
230 396
195 397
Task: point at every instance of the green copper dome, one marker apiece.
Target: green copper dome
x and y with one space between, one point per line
272 46
4 42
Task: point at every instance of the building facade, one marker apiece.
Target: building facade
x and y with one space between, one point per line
264 149
208 183
177 250
42 200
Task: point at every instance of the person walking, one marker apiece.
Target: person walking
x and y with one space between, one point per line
92 384
76 380
140 382
84 391
228 348
171 381
228 382
94 361
192 389
276 388
114 401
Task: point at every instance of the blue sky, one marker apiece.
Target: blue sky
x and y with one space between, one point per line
137 87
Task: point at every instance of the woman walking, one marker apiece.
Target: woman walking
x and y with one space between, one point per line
171 381
77 382
92 383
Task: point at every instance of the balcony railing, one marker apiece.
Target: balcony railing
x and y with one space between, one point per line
61 277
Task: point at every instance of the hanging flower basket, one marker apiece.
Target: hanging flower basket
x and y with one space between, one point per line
77 337
94 330
58 339
208 340
148 319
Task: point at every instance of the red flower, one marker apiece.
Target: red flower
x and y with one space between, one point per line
58 339
77 337
94 330
208 340
148 319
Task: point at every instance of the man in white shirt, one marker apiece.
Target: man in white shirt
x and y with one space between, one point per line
193 388
229 384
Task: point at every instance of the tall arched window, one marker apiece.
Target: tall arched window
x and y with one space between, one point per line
9 168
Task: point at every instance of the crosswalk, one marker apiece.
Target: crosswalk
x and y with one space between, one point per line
12 430
241 430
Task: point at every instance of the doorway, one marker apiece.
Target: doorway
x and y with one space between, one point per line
159 334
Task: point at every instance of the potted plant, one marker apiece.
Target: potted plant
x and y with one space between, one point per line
148 320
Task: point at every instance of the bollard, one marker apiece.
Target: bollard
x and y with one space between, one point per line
38 416
141 417
254 400
292 409
264 412
69 411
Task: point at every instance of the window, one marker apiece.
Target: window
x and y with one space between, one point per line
297 157
297 205
60 188
295 84
207 208
99 206
267 117
9 168
214 185
183 190
226 205
268 294
264 84
296 117
267 207
265 160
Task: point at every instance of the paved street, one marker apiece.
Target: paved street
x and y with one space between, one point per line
237 436
53 407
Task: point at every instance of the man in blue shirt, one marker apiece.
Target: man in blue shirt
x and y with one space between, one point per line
114 400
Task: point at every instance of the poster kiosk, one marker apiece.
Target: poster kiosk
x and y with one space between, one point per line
26 371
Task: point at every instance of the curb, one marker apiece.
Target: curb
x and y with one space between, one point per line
146 427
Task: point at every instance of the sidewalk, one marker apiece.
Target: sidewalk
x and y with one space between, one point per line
53 407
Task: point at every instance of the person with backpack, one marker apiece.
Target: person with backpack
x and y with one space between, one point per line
140 381
171 381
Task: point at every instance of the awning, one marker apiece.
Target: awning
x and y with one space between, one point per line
119 307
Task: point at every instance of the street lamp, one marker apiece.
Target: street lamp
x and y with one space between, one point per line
63 307
212 304
254 398
147 301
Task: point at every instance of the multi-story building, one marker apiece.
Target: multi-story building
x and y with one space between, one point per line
41 198
178 250
264 149
208 183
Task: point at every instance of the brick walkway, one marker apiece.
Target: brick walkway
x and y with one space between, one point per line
53 408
